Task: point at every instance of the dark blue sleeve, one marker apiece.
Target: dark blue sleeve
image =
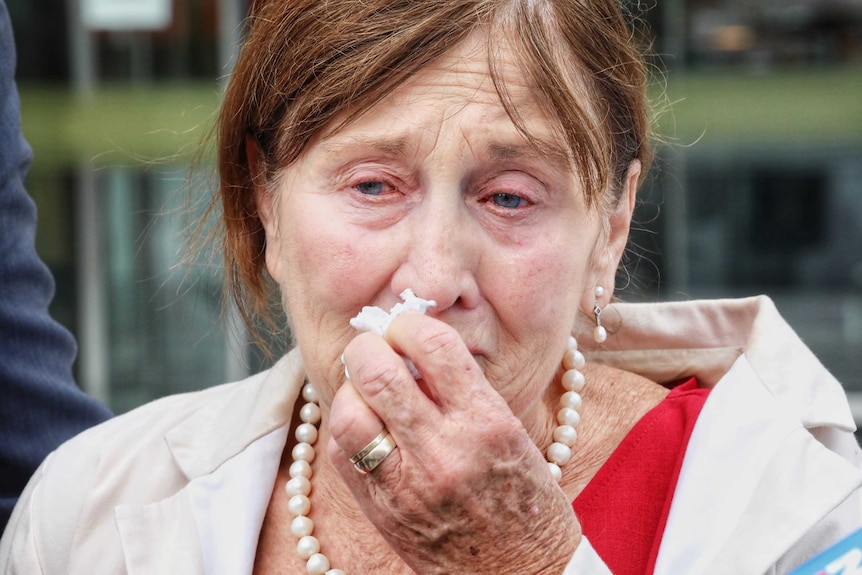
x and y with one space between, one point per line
40 405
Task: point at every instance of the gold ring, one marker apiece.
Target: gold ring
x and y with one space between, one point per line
371 445
373 454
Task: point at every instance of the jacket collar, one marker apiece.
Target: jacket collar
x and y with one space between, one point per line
670 342
251 409
754 470
171 535
751 473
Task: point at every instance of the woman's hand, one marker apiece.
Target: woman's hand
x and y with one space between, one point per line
466 491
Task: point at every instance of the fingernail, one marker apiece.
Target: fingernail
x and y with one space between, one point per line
412 367
346 374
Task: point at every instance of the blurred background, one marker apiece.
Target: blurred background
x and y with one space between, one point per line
757 189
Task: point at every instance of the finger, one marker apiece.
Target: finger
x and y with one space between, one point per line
358 477
383 381
352 422
448 369
354 430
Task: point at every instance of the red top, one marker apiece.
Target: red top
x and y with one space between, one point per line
624 508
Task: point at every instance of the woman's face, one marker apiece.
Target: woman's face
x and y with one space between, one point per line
434 189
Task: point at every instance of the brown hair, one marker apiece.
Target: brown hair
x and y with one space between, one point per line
306 62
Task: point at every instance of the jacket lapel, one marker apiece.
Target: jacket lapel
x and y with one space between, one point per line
802 484
165 536
160 537
753 482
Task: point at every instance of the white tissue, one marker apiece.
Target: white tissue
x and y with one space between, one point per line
375 319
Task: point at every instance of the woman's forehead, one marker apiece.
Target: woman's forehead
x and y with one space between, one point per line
473 72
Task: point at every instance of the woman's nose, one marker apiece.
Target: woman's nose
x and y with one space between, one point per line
440 258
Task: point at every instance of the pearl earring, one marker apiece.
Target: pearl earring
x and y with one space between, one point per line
600 334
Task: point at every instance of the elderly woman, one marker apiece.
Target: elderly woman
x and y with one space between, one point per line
456 178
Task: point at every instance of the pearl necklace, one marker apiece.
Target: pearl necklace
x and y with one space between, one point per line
560 451
298 487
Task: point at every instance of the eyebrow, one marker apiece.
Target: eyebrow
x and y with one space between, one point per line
501 151
389 146
497 150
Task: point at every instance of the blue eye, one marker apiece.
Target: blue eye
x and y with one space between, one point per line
509 201
371 188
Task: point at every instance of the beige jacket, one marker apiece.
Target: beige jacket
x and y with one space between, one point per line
771 476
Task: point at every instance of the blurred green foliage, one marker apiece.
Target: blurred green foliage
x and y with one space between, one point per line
141 125
117 125
809 107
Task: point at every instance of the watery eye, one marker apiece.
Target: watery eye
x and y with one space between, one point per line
371 188
509 201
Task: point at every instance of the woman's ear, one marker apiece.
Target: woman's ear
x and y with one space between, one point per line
267 207
619 224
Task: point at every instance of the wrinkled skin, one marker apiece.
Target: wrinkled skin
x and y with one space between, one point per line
467 491
434 189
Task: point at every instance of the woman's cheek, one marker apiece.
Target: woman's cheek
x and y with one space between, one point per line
346 266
